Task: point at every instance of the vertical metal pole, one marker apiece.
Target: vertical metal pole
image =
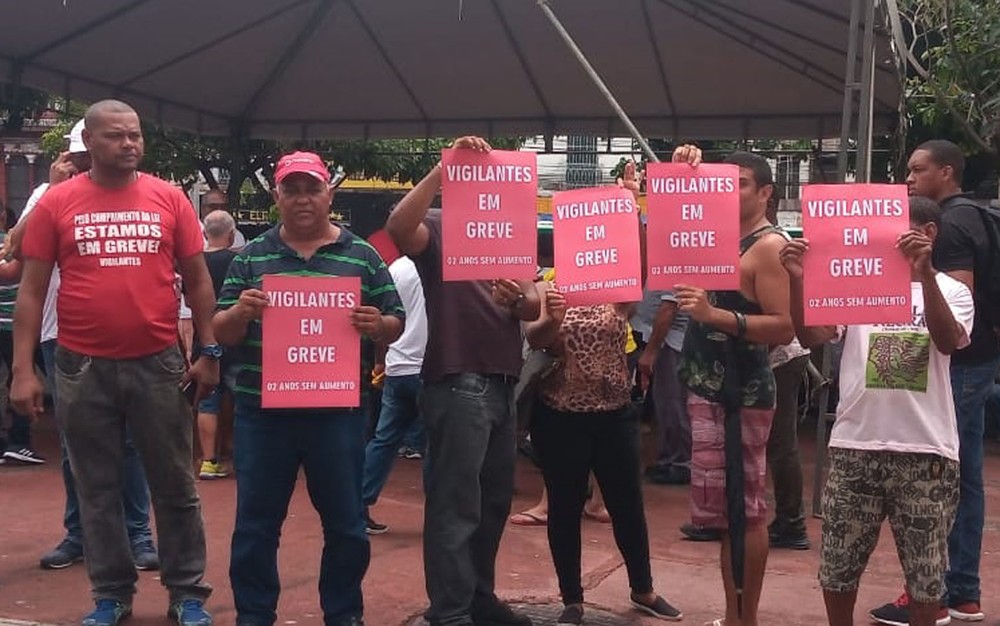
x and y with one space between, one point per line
850 86
865 115
596 78
823 418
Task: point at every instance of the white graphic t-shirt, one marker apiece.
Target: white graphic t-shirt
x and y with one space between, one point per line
895 386
50 321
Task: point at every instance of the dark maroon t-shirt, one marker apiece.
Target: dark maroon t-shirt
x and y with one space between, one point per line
467 332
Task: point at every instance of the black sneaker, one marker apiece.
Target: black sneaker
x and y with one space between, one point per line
571 616
23 455
790 538
694 532
668 475
65 554
897 613
790 542
497 613
374 528
658 608
145 557
406 452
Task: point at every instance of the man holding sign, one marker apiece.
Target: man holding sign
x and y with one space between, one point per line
966 250
894 446
271 444
725 366
472 361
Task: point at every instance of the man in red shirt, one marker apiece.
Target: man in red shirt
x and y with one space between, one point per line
117 235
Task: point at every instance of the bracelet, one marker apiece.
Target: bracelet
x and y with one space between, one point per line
741 324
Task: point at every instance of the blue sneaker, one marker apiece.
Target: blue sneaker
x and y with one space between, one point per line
190 612
107 612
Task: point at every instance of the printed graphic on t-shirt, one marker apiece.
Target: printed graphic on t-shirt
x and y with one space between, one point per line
118 238
898 361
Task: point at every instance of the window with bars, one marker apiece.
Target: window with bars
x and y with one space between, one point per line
788 177
581 161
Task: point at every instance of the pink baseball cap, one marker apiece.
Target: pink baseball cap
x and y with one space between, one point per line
301 163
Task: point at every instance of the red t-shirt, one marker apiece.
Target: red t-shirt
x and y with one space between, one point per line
116 250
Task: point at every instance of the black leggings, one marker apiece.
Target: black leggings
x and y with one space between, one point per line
570 446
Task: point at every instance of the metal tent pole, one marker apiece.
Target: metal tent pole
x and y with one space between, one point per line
598 81
864 165
824 418
850 86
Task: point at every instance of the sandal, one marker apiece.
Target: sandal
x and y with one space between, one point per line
527 518
601 516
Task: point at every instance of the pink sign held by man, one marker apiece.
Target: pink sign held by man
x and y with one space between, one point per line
694 225
854 272
489 219
311 354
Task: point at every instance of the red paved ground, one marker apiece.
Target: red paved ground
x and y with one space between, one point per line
31 501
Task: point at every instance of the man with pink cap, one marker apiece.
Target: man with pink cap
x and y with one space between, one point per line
271 445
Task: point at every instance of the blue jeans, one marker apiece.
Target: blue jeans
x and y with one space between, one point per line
416 436
400 410
135 491
269 448
993 412
970 386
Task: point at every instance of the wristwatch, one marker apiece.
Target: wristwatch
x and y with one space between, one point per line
212 351
518 301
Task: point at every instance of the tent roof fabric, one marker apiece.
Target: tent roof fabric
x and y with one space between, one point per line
418 68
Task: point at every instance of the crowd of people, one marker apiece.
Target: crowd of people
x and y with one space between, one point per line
147 323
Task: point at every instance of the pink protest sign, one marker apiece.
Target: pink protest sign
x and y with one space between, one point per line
596 238
693 227
311 355
488 219
853 273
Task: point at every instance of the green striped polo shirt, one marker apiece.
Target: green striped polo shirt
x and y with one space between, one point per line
8 296
268 254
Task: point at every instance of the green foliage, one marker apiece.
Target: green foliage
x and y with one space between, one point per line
398 160
54 140
20 103
184 157
619 168
955 82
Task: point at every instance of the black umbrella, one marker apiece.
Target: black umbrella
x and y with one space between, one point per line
733 447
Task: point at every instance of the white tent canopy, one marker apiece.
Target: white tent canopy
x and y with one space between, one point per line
394 68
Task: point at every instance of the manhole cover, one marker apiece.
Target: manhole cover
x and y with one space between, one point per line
547 614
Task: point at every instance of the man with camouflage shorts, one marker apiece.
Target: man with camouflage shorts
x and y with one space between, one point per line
894 446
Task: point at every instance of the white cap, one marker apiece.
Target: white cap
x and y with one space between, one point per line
75 137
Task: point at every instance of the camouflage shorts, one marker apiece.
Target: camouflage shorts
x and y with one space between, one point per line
919 495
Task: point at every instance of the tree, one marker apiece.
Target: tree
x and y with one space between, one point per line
18 104
952 54
185 158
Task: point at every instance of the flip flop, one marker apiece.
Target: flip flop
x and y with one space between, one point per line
603 517
525 518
